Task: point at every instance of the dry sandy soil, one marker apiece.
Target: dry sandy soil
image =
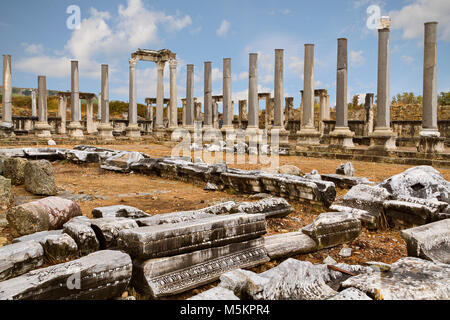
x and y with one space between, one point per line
163 195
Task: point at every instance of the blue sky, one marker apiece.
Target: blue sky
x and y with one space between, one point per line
35 34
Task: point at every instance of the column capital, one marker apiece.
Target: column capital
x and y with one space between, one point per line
161 64
173 63
133 62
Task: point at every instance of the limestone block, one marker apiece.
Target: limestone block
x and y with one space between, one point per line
59 247
271 207
107 229
101 275
119 211
121 162
289 169
333 228
19 258
38 236
173 217
80 230
408 279
403 214
5 192
367 220
81 156
430 241
216 293
346 169
44 214
343 181
289 244
14 169
12 152
177 238
39 178
171 275
350 294
50 154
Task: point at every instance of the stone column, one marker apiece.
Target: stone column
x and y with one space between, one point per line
75 127
368 106
190 97
308 135
133 130
324 112
227 103
183 104
7 126
278 114
207 95
104 127
341 136
253 105
173 109
215 113
288 110
90 127
159 123
62 108
42 128
383 138
99 106
33 103
148 111
430 140
242 112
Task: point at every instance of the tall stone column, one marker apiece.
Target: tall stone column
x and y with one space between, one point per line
215 113
42 128
253 105
99 106
133 130
383 138
430 140
75 127
324 110
289 110
227 103
90 127
207 95
159 123
308 135
183 105
33 103
190 97
242 112
62 112
341 136
173 124
278 112
7 126
148 111
368 106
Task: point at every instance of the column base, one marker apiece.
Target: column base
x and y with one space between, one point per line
75 130
382 139
430 141
342 137
308 136
42 130
7 129
283 136
105 131
160 132
133 131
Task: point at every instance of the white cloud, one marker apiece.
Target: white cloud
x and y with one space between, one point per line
223 29
33 48
408 59
216 74
356 58
410 18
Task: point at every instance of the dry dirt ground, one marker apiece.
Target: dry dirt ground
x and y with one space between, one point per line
156 195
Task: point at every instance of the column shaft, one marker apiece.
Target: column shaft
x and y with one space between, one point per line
33 103
173 94
132 108
429 115
42 99
7 90
308 87
75 93
190 95
104 95
383 84
278 117
253 105
227 103
207 94
160 96
341 84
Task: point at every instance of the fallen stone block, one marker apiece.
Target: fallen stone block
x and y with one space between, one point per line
243 181
346 169
430 241
79 156
107 230
368 198
59 247
216 293
14 169
289 244
173 217
39 178
122 161
44 214
367 220
343 181
19 258
402 214
171 275
119 211
50 154
5 192
420 182
408 279
333 228
144 166
12 153
100 275
437 209
350 294
80 230
177 238
38 236
271 207
289 169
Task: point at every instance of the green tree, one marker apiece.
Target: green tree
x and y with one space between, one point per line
444 99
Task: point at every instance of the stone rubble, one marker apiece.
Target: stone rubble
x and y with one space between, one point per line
346 169
39 178
19 258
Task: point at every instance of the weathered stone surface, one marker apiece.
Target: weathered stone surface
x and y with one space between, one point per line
271 207
171 275
177 238
402 214
102 275
121 162
368 198
430 241
289 169
216 293
38 236
39 178
14 169
44 214
51 154
107 229
59 247
12 152
119 211
289 244
346 169
332 228
19 258
5 192
313 175
2 163
409 279
343 181
80 156
367 220
421 182
80 230
67 194
173 217
345 252
351 294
